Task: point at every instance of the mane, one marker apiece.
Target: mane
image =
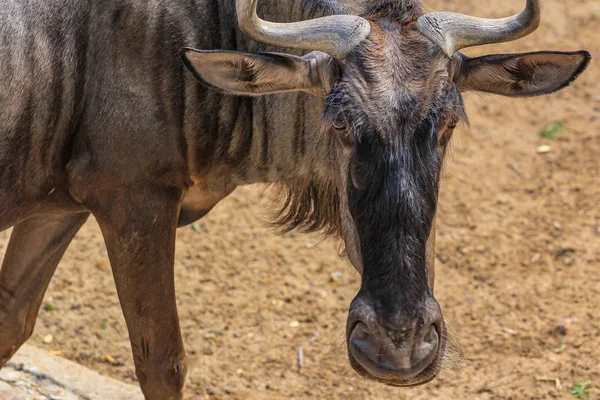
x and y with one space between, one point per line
311 202
307 205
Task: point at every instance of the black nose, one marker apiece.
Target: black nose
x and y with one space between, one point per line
399 353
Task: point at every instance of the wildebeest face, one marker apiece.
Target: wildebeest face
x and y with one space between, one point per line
394 106
393 100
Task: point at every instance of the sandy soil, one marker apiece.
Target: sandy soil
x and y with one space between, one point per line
518 256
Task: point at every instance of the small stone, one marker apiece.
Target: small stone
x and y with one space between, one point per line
277 303
294 324
48 339
511 332
109 359
557 225
335 276
543 149
102 263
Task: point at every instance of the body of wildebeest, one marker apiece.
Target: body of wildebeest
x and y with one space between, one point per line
102 112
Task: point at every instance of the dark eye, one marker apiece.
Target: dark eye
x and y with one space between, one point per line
451 127
340 122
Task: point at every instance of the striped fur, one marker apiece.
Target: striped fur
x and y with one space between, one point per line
91 90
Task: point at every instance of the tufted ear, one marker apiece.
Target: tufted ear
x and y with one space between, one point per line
521 75
262 73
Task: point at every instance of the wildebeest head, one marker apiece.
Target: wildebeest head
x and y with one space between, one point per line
391 81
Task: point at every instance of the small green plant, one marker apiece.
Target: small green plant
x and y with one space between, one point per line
581 390
551 131
104 325
49 307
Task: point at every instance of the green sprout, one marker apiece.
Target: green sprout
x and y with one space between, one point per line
580 390
551 131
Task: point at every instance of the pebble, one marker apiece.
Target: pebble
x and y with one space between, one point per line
543 149
557 225
335 276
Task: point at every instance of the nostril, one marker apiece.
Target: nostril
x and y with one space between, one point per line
360 331
361 342
432 335
425 349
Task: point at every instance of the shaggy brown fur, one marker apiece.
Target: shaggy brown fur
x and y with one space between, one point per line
309 206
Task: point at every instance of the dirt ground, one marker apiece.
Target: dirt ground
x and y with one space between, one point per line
517 264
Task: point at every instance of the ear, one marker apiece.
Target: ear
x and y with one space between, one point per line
262 73
521 75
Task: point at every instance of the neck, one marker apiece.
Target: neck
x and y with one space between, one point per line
234 141
269 139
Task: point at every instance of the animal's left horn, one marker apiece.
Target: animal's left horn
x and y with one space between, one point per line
336 35
453 32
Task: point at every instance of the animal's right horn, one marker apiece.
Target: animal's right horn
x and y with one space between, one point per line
336 35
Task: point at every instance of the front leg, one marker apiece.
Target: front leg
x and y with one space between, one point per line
34 250
139 230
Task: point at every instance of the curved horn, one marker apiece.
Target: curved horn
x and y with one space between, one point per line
453 32
336 35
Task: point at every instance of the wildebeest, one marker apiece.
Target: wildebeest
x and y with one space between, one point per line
99 115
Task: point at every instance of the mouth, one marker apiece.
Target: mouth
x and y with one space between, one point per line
425 376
